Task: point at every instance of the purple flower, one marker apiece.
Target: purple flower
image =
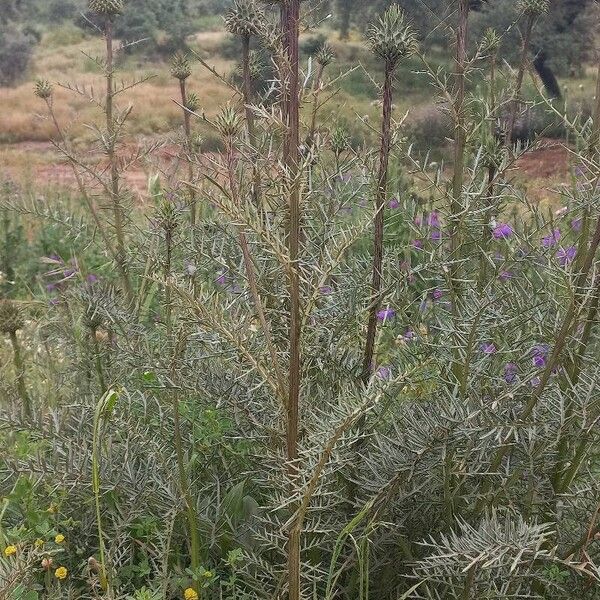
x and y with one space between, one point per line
488 348
221 278
386 314
539 361
535 382
566 255
418 221
502 231
551 239
434 219
576 224
393 203
91 278
325 290
384 373
505 276
540 353
51 287
436 235
418 244
436 294
409 335
510 372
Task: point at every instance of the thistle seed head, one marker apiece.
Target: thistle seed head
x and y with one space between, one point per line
391 37
180 66
11 317
43 89
106 7
533 7
244 18
325 56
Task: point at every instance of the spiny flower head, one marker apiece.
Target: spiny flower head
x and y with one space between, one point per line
43 89
533 7
106 7
192 102
180 66
325 56
228 122
391 37
11 317
244 18
490 41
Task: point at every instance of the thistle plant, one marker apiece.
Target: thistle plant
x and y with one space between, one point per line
242 460
11 321
391 39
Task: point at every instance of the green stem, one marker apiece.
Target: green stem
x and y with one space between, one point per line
20 375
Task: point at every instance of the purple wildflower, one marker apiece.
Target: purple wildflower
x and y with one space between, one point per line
418 221
436 235
505 276
386 314
384 372
502 231
488 348
325 290
409 335
576 224
551 239
535 382
436 294
393 203
566 255
418 244
434 219
221 278
510 372
91 278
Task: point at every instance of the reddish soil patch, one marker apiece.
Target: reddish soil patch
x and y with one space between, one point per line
549 160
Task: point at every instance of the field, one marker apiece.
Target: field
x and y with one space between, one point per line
290 317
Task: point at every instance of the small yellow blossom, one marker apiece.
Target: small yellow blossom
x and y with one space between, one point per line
207 574
61 573
38 543
52 509
190 594
10 550
59 539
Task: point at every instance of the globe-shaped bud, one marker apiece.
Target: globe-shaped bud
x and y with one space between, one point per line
244 18
533 7
11 317
43 89
180 66
325 56
106 7
391 37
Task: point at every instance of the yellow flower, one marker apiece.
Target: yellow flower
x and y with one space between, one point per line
190 594
38 543
207 574
61 573
10 550
59 539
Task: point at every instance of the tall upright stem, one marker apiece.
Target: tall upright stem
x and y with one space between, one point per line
519 81
382 178
110 150
290 20
187 127
20 374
